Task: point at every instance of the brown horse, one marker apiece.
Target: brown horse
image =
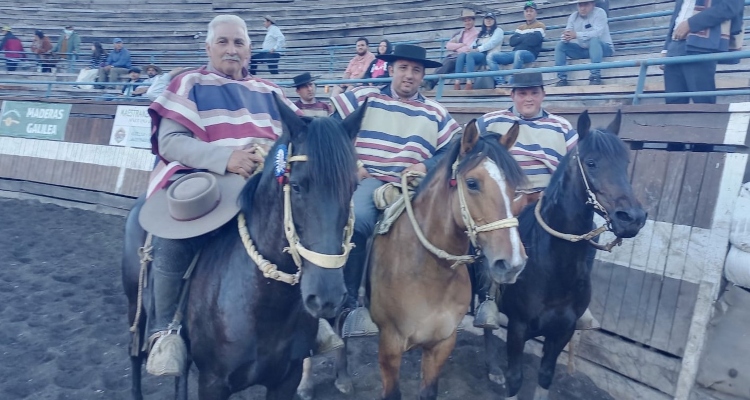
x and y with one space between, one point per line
418 298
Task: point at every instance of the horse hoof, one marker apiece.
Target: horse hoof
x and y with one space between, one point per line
344 385
541 394
498 379
306 393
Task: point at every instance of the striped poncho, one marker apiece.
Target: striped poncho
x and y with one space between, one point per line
216 109
542 143
396 133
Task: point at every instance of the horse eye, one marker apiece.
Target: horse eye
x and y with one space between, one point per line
295 187
591 163
472 184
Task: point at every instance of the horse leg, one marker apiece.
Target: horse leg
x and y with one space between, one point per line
306 388
433 359
212 387
492 359
389 358
135 369
552 348
516 341
181 382
343 381
287 388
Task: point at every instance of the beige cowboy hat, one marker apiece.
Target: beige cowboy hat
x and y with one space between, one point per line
468 13
195 204
269 18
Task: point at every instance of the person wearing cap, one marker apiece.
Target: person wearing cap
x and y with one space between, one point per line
67 47
586 35
699 27
460 42
134 75
526 42
543 140
489 41
401 131
11 48
214 119
304 84
118 63
273 45
153 72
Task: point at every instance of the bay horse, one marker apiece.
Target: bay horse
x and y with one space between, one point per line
554 289
417 297
241 327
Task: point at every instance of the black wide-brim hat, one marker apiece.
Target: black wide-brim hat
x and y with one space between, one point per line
527 80
409 52
303 79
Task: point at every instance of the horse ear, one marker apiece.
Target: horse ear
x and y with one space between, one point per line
470 137
353 122
614 126
510 137
289 118
584 124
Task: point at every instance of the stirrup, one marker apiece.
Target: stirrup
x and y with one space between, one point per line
487 316
358 323
168 354
587 321
327 340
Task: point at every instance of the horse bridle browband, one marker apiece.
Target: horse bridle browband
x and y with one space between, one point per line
472 229
598 208
295 249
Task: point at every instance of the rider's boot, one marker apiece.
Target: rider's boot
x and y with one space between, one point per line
587 321
355 318
488 316
168 353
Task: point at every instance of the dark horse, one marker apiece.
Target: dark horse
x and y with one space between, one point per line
243 329
554 289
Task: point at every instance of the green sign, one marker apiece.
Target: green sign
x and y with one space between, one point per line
34 120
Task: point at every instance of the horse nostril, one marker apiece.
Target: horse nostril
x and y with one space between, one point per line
312 303
624 216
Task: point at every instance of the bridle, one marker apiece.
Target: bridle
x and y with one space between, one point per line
283 165
472 229
598 208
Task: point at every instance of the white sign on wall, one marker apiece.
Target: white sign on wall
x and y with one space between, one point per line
132 127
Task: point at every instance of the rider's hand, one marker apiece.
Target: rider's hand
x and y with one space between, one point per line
415 167
363 174
242 162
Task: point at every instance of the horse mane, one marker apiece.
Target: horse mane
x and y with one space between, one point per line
489 145
331 160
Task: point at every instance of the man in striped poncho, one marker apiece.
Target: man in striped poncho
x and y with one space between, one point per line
401 131
543 140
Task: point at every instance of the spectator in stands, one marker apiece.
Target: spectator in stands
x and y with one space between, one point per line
67 48
526 43
398 119
153 72
357 65
697 29
304 84
543 141
226 90
460 42
11 48
118 62
273 45
489 42
379 68
134 75
160 82
42 47
586 36
89 73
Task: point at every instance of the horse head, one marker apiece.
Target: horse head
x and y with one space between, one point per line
488 176
603 162
315 162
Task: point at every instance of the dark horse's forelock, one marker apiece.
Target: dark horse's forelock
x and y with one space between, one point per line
488 145
331 161
605 144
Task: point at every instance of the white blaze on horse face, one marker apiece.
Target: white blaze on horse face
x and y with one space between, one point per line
515 239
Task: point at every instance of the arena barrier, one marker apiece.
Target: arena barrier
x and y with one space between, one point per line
653 295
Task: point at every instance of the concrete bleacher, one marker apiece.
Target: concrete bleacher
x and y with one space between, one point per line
320 34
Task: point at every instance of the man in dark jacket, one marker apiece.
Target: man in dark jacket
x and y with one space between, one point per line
526 42
699 27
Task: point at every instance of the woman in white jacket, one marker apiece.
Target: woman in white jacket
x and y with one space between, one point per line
489 41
